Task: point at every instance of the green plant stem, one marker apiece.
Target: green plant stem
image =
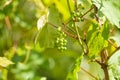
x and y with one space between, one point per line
68 3
79 38
75 1
27 56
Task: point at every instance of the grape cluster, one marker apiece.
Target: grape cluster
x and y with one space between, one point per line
76 16
61 41
77 13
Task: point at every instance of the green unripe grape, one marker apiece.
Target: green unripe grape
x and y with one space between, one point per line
59 29
64 35
73 12
81 13
78 14
58 39
63 48
75 15
62 32
79 19
61 40
65 41
61 43
59 48
72 25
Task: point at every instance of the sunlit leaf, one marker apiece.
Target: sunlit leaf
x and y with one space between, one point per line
105 31
97 39
42 21
4 62
111 9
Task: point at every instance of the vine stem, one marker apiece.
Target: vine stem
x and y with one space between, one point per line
81 15
76 28
88 73
8 24
79 38
67 33
105 69
104 66
68 3
103 63
75 1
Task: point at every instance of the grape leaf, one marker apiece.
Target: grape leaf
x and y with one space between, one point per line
73 74
4 62
97 39
105 30
47 35
111 9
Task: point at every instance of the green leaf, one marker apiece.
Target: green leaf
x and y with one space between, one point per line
97 39
73 74
4 62
63 8
48 34
93 28
47 37
54 16
105 30
111 9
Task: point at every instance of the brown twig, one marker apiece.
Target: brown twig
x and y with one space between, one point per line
66 26
69 34
88 73
112 44
8 24
105 69
81 15
103 63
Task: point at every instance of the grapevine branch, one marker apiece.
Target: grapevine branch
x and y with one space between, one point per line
8 24
69 34
88 73
79 38
81 15
112 44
